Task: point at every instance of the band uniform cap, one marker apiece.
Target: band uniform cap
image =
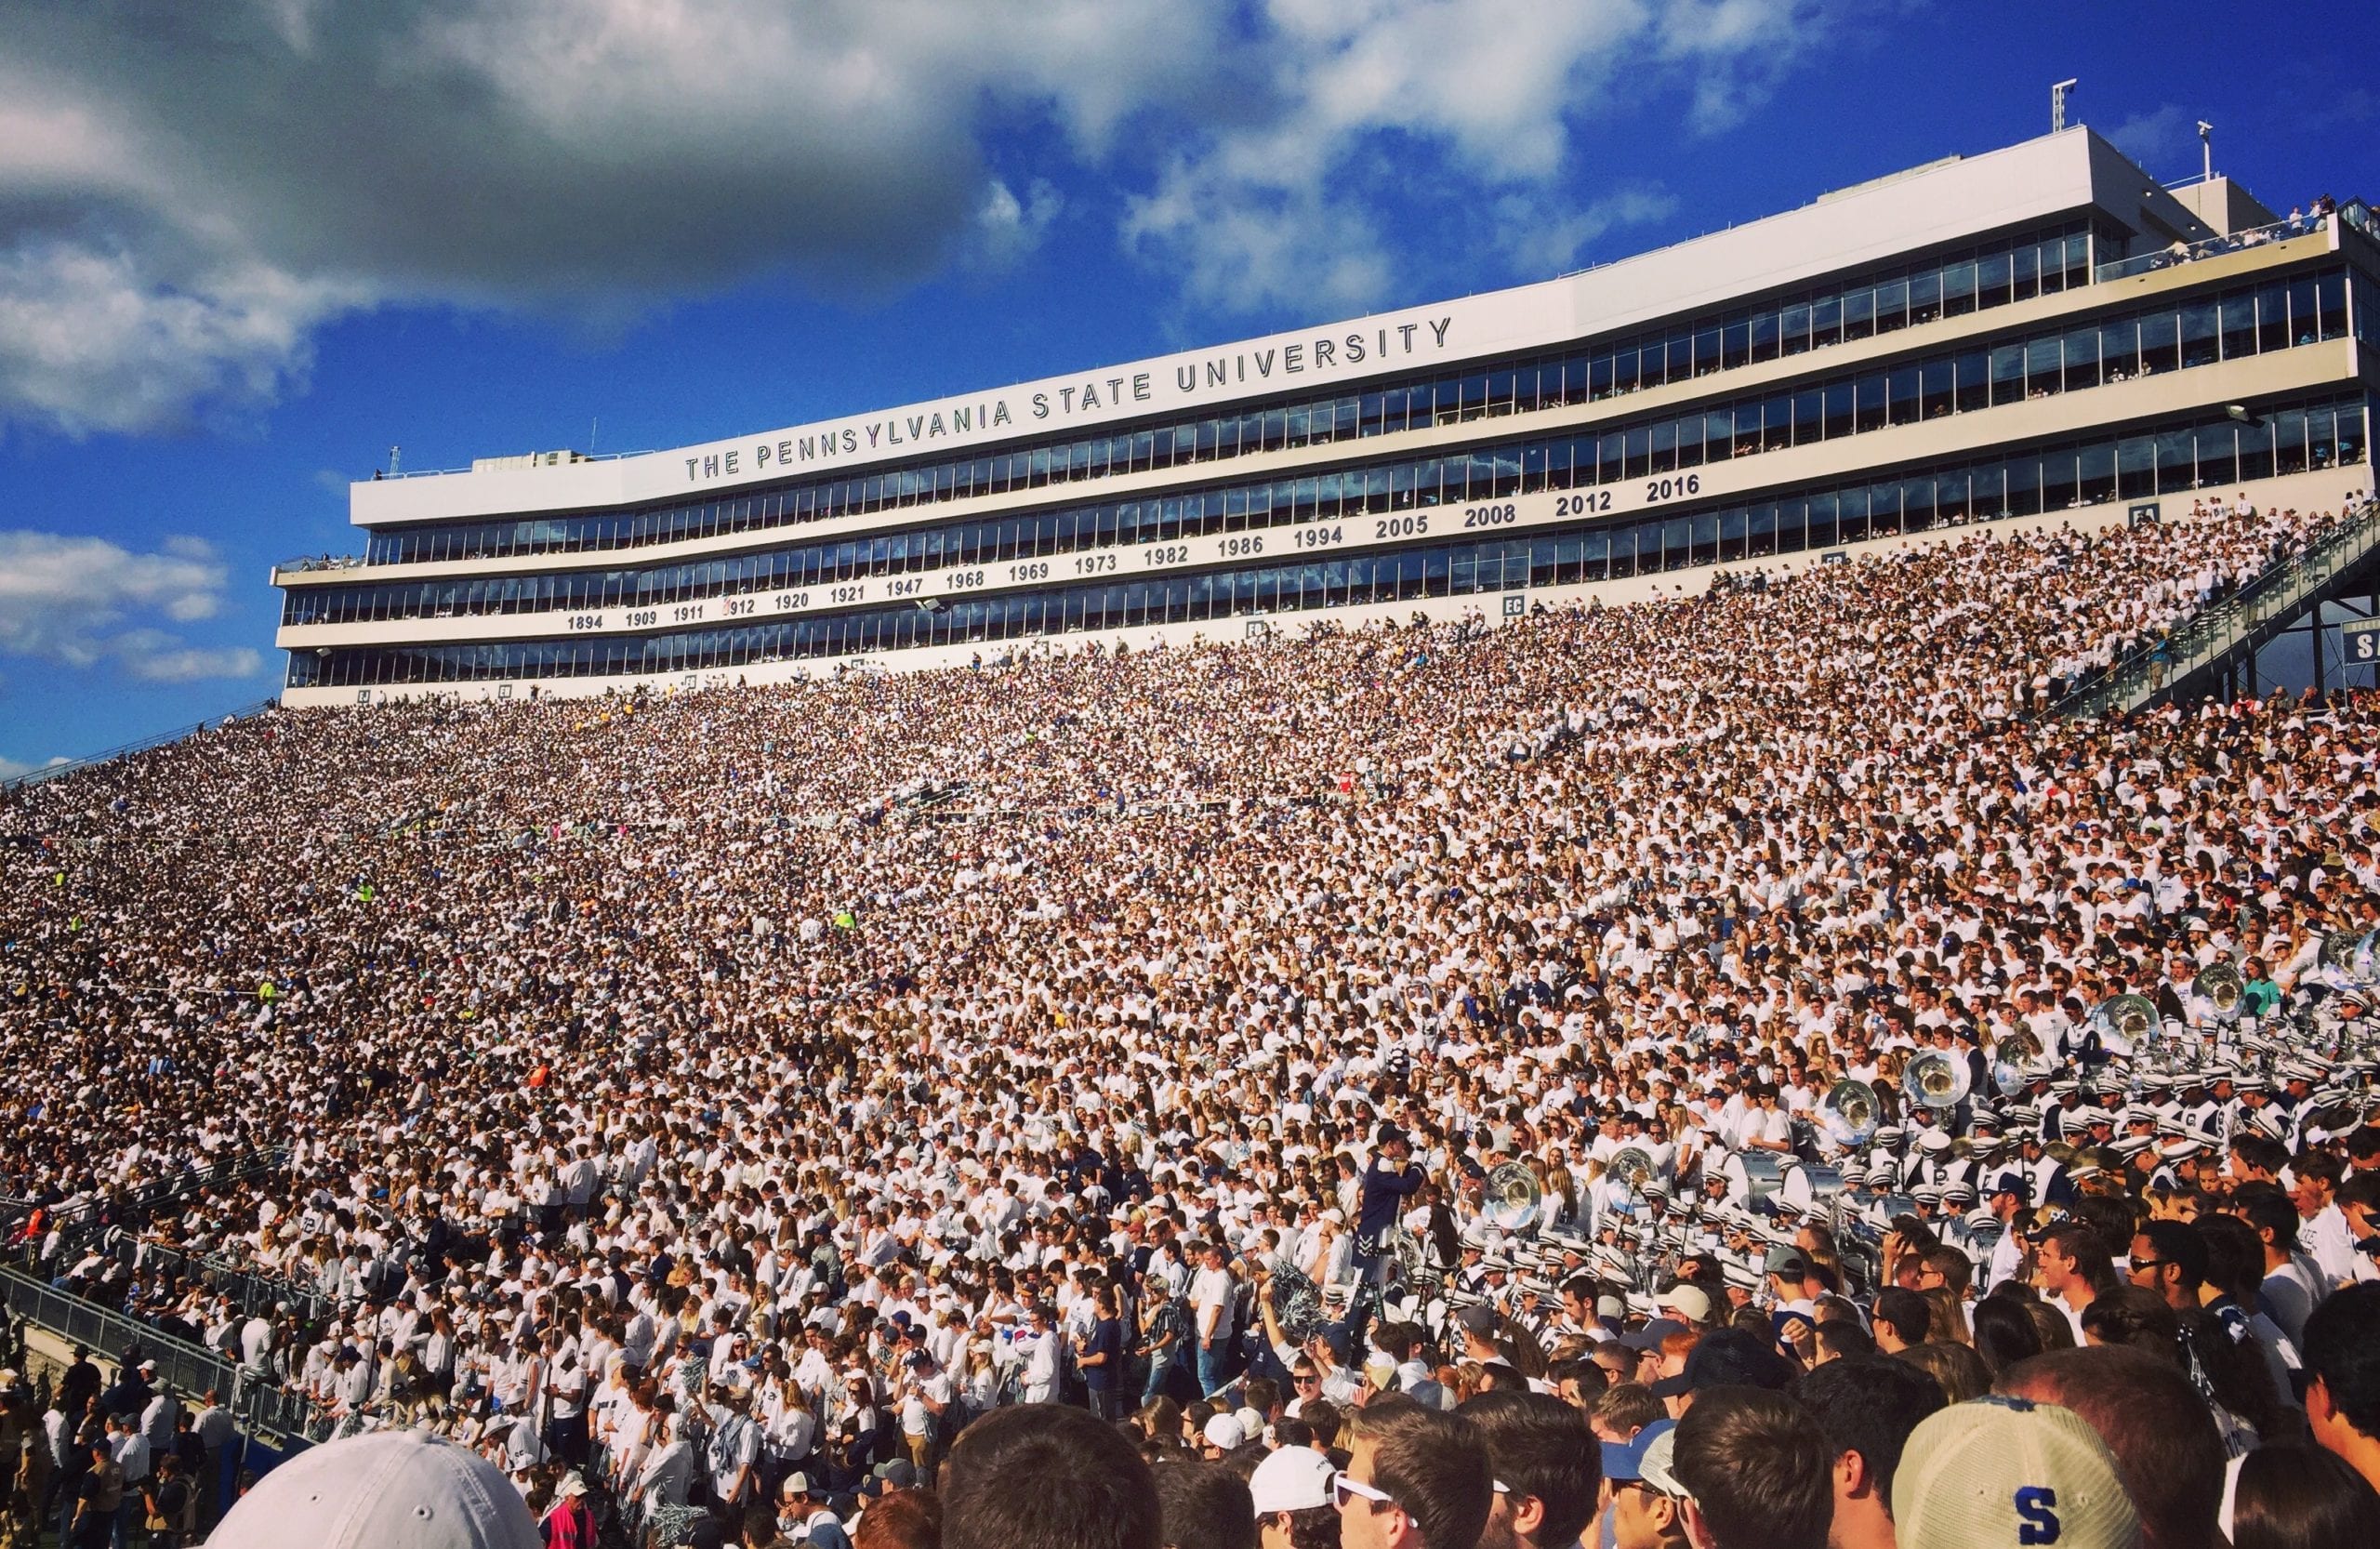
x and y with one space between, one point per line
2006 1472
392 1489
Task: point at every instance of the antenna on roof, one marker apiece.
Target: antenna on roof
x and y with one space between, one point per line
2057 96
393 453
2206 150
593 421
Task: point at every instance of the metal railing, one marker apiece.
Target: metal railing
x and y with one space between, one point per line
2181 253
251 1290
139 745
80 1225
257 1406
2246 614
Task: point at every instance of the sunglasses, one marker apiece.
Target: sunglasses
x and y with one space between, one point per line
1345 1488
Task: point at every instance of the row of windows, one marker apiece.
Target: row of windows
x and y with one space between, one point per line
2207 453
1907 297
2197 331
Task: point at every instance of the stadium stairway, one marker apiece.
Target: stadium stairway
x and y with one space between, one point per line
2194 658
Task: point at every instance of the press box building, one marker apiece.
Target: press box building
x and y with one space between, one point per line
2040 333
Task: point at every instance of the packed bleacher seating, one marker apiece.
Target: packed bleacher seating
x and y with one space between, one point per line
709 1102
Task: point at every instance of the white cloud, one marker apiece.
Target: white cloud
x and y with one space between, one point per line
64 600
1007 229
1275 209
11 768
188 195
161 662
1544 237
89 342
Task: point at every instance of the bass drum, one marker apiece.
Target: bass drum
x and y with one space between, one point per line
1764 1175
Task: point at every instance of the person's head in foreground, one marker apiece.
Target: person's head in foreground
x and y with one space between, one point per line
1204 1505
2342 1355
2298 1496
1416 1478
1046 1476
1865 1407
1548 1468
2167 1448
1755 1471
392 1489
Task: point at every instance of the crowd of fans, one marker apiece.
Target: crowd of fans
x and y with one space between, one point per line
1320 1085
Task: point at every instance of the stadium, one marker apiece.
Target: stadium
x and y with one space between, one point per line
2041 330
1589 906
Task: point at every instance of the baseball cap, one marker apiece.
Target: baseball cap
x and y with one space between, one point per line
2007 1471
1224 1433
1479 1319
392 1489
1691 1302
1727 1358
1292 1479
1649 1337
1645 1456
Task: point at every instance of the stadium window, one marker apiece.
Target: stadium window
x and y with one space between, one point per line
1662 458
2238 309
1989 491
2217 453
1871 407
2272 317
1763 335
1938 397
1760 536
1917 503
1892 306
2200 346
2043 367
1826 322
1901 388
1925 296
1837 411
2331 304
1993 272
1858 314
2255 450
2023 494
2096 473
1747 419
2081 351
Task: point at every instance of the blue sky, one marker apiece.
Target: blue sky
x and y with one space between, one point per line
247 248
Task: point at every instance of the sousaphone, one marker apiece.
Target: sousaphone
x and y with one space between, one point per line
1936 1078
1514 1195
1632 1166
1851 1113
2130 1017
2219 986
